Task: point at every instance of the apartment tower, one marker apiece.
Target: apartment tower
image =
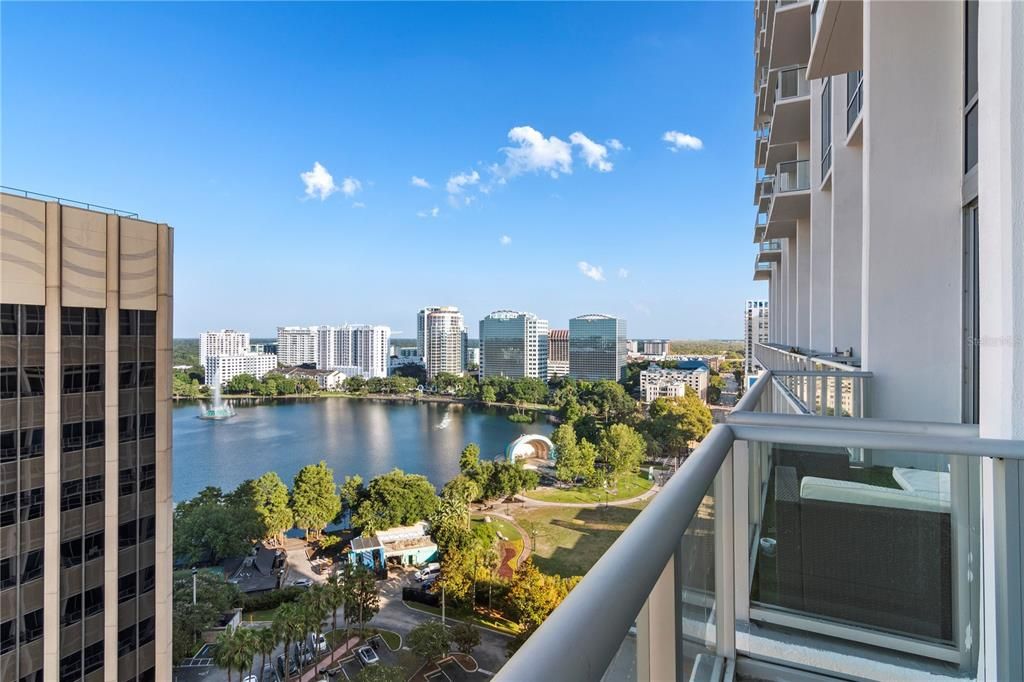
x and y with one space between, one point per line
755 330
514 345
441 338
85 443
597 347
298 345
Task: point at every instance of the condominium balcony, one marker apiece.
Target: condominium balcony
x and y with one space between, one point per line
762 271
761 135
791 198
763 193
791 115
790 39
837 37
769 251
790 546
760 223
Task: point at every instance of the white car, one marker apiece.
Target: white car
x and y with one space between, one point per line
302 582
320 644
427 571
367 656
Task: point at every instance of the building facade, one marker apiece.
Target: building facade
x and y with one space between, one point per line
441 338
651 348
222 342
755 330
365 346
298 345
85 443
658 382
597 347
514 345
558 353
220 369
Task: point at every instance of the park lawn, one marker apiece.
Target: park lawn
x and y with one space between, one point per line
513 538
629 486
491 621
569 540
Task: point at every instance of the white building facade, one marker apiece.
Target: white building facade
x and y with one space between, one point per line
298 345
658 382
220 369
222 342
441 339
365 346
755 330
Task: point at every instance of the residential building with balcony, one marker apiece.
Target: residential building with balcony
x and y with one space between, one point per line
858 514
514 345
222 342
220 369
85 442
597 347
441 339
298 345
755 330
658 382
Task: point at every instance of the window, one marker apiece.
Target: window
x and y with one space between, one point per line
126 428
71 613
126 640
970 85
126 587
8 509
94 433
126 482
147 374
93 378
33 629
126 534
71 553
94 545
34 320
33 566
147 425
8 319
147 477
8 382
148 581
126 375
34 384
71 321
7 636
147 323
93 655
72 379
148 675
826 128
147 528
37 676
71 437
70 495
147 630
71 667
127 321
32 443
94 322
93 601
8 573
94 489
8 446
31 504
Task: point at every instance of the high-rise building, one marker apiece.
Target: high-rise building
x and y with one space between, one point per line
85 443
222 342
858 514
365 346
558 353
514 345
441 337
298 345
755 330
220 369
597 347
658 382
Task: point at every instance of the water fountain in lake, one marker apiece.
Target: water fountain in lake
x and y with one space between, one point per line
218 410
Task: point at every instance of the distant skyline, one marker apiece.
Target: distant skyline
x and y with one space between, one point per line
332 163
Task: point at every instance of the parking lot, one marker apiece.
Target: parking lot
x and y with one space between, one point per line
347 668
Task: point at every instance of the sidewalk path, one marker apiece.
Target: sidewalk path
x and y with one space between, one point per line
530 502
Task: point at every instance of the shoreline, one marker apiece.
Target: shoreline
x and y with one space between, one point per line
406 398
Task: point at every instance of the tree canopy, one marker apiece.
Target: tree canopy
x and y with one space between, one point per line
213 526
395 499
676 422
315 500
269 496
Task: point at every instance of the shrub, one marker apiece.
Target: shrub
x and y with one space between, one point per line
265 601
521 418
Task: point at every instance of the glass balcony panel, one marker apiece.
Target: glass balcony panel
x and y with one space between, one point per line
883 544
793 176
854 97
792 82
698 594
623 666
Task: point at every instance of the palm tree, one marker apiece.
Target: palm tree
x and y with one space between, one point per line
335 590
289 625
224 653
245 650
316 604
266 641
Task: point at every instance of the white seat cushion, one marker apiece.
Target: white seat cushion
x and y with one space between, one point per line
850 492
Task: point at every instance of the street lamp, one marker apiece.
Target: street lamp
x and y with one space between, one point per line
195 571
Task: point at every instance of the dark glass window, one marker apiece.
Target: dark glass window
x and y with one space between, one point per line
126 534
72 611
126 482
71 321
7 636
33 566
8 319
94 433
147 675
147 323
37 676
94 322
8 509
126 375
32 443
93 378
31 504
94 489
8 382
71 437
970 85
8 573
126 640
147 630
93 601
8 446
147 477
126 322
94 545
33 626
971 138
147 528
34 320
34 382
71 552
147 374
71 667
71 381
148 580
70 495
126 428
147 425
126 587
93 655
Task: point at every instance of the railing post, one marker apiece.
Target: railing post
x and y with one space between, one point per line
656 629
725 603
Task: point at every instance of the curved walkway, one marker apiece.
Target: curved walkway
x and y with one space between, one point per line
525 554
530 502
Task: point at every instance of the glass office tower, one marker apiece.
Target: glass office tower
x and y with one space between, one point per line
597 347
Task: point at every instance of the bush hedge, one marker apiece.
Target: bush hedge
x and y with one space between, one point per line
264 601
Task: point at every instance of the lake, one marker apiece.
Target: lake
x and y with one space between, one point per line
365 437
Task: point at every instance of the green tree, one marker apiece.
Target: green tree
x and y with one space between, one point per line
567 453
362 596
449 524
470 458
315 501
395 499
265 642
269 496
676 422
623 449
290 626
488 395
457 573
213 526
715 385
336 589
429 640
532 595
465 637
352 492
461 487
356 384
214 596
241 383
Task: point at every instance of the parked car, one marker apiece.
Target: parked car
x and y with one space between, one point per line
293 665
302 582
367 656
428 582
428 570
319 643
269 674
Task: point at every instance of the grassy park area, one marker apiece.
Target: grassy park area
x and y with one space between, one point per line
629 486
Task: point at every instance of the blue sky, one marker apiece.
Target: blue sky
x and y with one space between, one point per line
205 116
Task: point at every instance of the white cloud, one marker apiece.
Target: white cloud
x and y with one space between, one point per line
358 204
534 153
318 182
505 240
594 272
432 213
457 183
678 140
419 182
596 155
615 144
349 186
623 273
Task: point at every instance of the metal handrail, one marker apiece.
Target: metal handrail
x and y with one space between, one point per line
70 202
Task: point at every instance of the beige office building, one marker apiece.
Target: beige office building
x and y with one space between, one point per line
85 443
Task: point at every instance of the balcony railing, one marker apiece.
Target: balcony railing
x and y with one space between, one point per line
768 523
791 82
854 97
792 176
770 245
810 384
